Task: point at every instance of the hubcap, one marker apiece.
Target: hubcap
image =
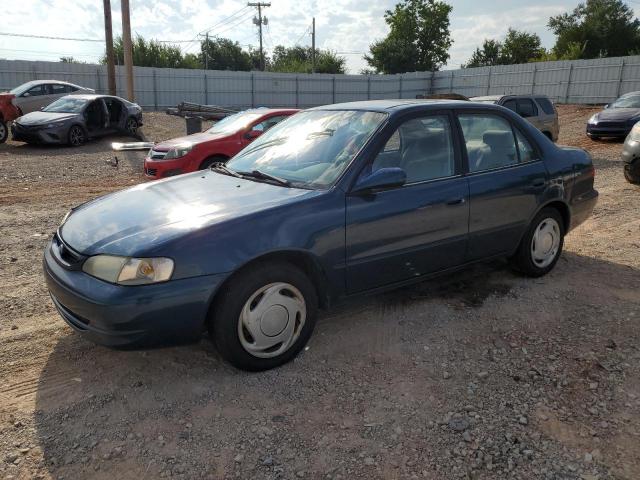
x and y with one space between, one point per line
271 320
545 243
3 130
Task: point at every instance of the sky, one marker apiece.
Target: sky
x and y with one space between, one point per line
347 27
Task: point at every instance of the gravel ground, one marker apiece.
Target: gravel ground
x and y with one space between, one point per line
481 375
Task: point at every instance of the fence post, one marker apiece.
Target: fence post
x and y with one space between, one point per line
98 88
155 91
253 91
533 80
297 93
489 80
368 87
400 89
566 92
620 79
451 83
431 80
333 83
206 88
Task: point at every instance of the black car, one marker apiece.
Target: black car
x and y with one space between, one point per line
617 119
75 118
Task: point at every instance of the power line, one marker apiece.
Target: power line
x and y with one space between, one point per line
25 35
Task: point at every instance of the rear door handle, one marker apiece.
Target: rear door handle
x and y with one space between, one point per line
539 182
456 201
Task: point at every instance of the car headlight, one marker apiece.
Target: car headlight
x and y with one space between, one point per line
178 151
593 119
634 135
127 270
54 125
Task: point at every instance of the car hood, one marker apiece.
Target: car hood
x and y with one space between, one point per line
137 220
194 139
38 118
618 114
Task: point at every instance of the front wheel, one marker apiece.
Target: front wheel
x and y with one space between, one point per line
541 245
4 131
264 316
77 136
632 172
210 161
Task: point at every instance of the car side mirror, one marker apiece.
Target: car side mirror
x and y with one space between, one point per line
26 94
252 134
606 106
381 179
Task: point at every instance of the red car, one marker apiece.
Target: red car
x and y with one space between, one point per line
8 113
218 144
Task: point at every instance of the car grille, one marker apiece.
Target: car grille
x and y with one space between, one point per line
151 171
607 124
64 255
156 155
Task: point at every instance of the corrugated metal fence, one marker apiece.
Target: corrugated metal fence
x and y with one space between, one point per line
577 81
157 88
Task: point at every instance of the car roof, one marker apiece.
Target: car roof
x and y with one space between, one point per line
60 82
390 105
95 96
487 98
266 111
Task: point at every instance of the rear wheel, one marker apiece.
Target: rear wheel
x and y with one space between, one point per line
4 131
132 127
210 161
264 316
632 172
77 136
541 245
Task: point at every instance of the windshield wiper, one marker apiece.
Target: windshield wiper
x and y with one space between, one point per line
275 141
266 176
222 168
322 133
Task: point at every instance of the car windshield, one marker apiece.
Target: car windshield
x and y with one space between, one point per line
66 105
311 149
233 123
631 101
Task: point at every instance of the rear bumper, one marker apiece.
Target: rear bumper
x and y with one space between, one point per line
582 207
119 316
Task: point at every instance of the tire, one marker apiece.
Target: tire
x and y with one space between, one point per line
283 290
207 162
4 131
131 127
76 136
533 257
632 172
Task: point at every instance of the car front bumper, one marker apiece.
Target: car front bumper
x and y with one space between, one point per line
166 168
608 129
119 316
56 135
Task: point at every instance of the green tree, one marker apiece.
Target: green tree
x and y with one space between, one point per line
488 55
299 60
419 38
151 53
224 54
520 47
597 28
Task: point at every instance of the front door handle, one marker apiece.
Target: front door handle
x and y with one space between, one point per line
456 201
538 182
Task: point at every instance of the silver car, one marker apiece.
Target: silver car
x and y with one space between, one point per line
32 96
537 109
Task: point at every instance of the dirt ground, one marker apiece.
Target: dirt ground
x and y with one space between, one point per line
481 375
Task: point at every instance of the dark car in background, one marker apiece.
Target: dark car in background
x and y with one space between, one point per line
217 144
334 202
617 119
74 119
539 110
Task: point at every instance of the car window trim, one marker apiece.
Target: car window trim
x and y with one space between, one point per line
459 111
533 104
393 127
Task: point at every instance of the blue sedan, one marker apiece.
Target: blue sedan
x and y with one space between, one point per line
333 202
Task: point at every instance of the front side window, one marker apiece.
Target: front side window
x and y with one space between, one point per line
268 123
37 91
511 105
234 123
422 147
311 148
489 141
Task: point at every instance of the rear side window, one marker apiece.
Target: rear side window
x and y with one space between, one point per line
527 152
546 105
57 89
527 108
489 141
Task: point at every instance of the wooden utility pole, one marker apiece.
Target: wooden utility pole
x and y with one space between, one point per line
126 43
313 46
259 21
108 38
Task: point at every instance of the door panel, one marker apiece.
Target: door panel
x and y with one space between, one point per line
502 202
419 228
